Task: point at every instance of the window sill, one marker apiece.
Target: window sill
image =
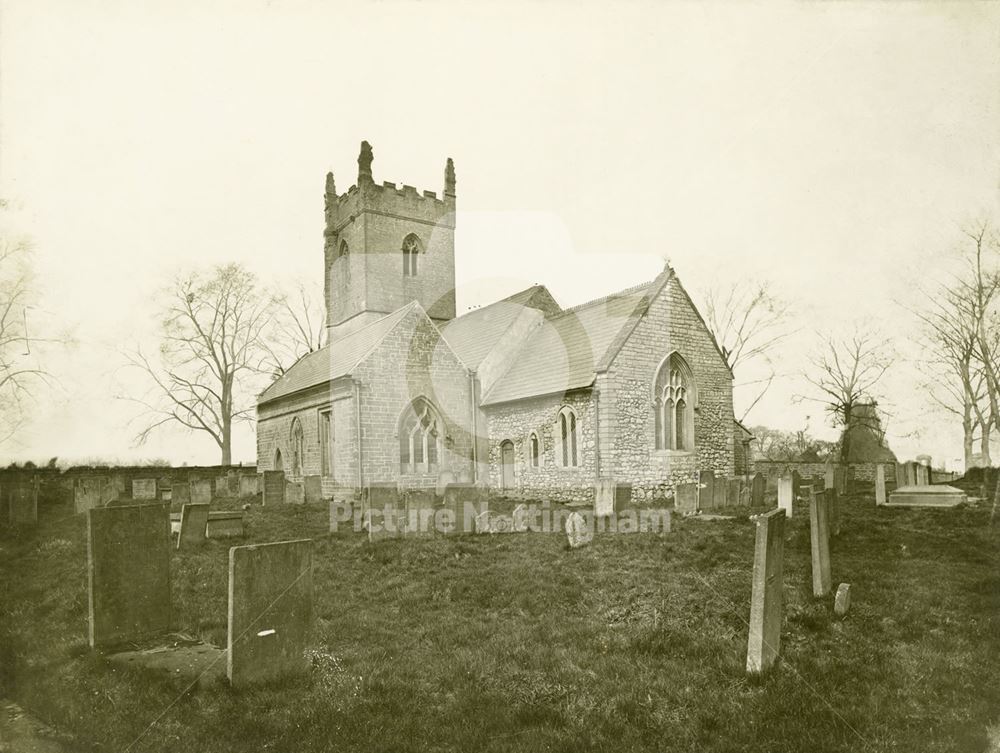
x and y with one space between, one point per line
674 453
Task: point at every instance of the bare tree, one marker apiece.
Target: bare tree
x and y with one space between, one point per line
21 369
298 327
748 321
845 374
212 358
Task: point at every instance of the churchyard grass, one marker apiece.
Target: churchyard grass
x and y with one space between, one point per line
516 643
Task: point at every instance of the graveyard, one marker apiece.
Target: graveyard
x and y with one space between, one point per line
518 642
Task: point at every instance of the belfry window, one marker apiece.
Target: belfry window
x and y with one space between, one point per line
673 415
411 252
420 438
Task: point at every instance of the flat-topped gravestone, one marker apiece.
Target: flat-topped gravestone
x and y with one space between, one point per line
706 491
201 491
128 572
796 483
720 491
623 495
764 643
144 488
785 494
249 485
734 489
194 525
270 610
274 487
313 486
180 493
233 482
222 486
604 497
578 532
819 538
686 498
879 484
519 518
223 524
295 493
757 489
829 478
22 504
463 508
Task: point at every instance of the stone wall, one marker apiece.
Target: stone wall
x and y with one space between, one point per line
550 480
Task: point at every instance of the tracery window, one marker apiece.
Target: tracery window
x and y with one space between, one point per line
673 415
420 438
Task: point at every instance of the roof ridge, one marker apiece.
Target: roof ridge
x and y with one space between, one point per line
490 305
367 326
603 299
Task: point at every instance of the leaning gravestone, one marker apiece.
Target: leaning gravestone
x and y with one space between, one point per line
757 490
224 524
313 488
128 572
274 487
686 498
270 610
144 488
578 532
785 495
604 497
706 492
879 484
201 491
194 525
764 643
819 538
842 601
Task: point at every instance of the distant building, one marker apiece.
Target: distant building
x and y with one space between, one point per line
521 395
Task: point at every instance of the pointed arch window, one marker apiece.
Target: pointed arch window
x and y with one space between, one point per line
567 432
411 252
534 450
420 438
298 447
673 414
344 260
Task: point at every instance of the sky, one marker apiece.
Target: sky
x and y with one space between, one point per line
832 149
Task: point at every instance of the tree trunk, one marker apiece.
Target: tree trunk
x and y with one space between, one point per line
984 445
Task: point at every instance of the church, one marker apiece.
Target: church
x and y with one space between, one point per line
522 396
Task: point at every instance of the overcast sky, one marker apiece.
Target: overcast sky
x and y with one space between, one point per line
831 148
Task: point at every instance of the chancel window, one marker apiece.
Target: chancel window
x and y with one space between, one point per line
411 252
534 451
673 415
326 443
567 433
420 438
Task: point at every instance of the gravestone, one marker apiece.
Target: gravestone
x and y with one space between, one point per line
88 492
224 524
623 495
796 483
735 487
922 479
201 491
842 601
128 572
900 475
879 484
180 493
764 642
22 504
785 495
274 487
706 491
520 518
464 503
144 488
828 477
686 498
221 486
757 490
249 485
604 497
833 511
719 492
313 488
233 482
840 480
270 611
482 524
421 505
443 480
819 538
194 525
578 531
295 493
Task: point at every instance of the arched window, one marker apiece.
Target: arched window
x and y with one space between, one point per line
673 416
344 260
534 450
420 438
298 447
411 250
567 455
279 464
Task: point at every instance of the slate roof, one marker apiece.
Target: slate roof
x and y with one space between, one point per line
335 360
473 335
566 351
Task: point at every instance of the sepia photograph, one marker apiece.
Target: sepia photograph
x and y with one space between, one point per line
419 375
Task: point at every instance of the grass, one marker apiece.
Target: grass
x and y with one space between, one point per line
515 643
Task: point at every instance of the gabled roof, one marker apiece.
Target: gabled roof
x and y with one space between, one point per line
567 350
334 360
473 335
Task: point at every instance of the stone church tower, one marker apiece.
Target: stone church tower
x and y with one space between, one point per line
385 247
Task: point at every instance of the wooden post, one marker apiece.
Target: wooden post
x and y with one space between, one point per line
819 537
764 643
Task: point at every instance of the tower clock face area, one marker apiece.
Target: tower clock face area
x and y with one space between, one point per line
386 246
